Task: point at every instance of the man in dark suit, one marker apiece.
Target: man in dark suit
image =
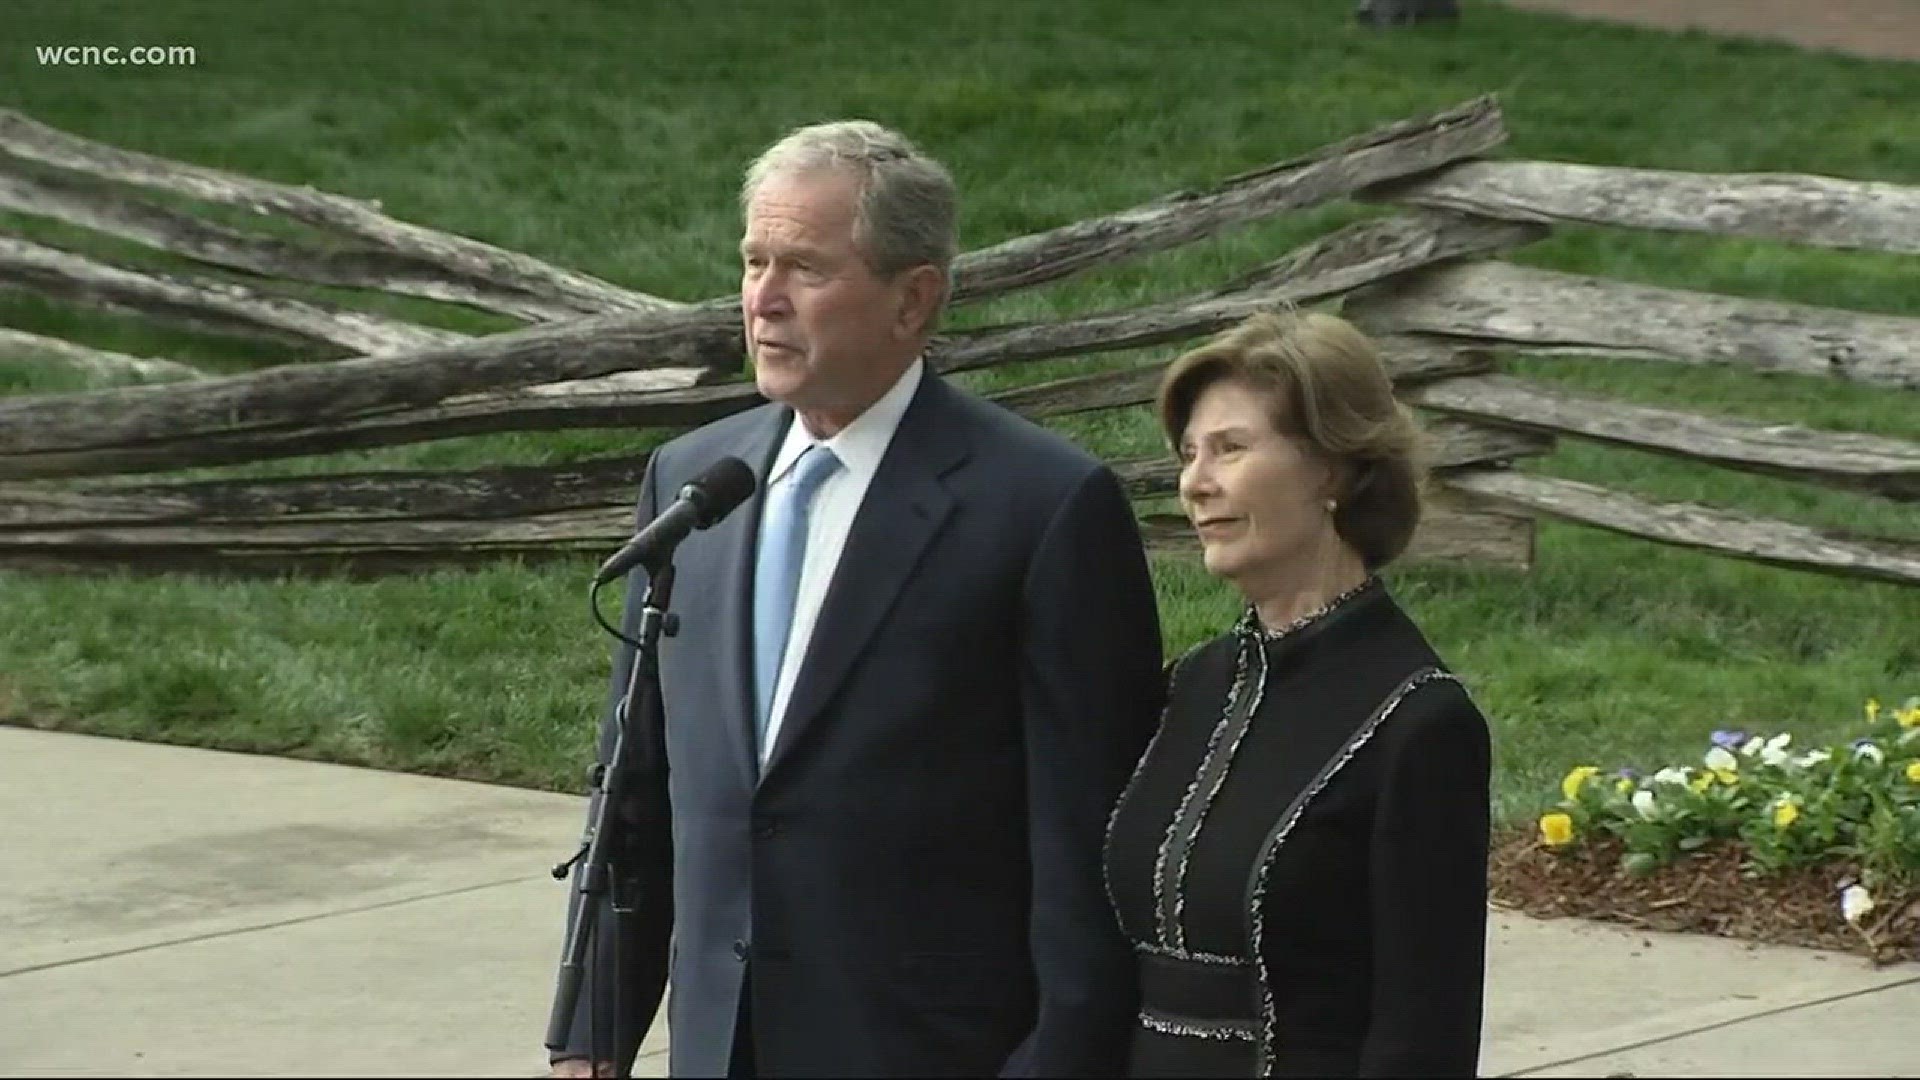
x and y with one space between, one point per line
911 676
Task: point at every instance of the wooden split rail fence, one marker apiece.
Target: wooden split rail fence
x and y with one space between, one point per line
1426 280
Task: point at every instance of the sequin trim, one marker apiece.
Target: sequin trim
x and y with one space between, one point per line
1190 955
1167 929
1258 684
1249 624
1133 781
1222 1030
1268 1033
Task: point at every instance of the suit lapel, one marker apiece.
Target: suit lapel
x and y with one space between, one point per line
734 584
905 507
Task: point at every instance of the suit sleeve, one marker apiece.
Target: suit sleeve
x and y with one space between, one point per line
1429 889
1090 692
625 972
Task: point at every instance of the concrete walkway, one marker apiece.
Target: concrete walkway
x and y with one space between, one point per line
171 912
1878 29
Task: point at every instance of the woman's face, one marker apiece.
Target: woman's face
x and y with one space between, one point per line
1257 498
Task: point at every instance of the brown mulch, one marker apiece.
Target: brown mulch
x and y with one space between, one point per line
1703 893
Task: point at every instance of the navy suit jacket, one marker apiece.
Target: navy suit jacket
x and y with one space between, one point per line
914 880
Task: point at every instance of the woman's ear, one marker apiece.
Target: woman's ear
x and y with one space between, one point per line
1337 480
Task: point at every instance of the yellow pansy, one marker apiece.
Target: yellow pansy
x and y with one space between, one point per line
1908 718
1556 829
1570 786
1726 776
1873 709
1913 772
1701 783
1623 785
1785 814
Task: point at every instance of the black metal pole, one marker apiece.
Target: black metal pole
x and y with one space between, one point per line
630 756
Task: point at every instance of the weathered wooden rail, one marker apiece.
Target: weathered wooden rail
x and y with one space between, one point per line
1426 280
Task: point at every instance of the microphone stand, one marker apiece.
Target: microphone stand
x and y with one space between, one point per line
600 873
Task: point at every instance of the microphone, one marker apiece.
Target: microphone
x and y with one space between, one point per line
703 501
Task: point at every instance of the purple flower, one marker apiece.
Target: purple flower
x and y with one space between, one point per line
1730 738
1628 773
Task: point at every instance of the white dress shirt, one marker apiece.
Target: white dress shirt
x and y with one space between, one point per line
859 446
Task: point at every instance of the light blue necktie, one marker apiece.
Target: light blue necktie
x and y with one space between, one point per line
776 574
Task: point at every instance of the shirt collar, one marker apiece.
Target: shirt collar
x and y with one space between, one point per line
861 444
1250 629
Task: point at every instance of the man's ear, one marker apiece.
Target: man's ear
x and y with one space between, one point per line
920 291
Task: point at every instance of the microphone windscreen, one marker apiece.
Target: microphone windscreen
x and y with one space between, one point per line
725 484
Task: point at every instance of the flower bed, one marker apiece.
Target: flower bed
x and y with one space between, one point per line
1761 840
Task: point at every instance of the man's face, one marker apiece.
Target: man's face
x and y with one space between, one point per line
826 333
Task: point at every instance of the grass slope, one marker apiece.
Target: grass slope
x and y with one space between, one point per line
609 136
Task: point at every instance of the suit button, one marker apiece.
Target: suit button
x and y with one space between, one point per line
740 950
766 829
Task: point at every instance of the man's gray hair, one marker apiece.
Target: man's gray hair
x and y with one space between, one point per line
907 205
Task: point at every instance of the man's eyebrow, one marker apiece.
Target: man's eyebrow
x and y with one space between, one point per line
791 251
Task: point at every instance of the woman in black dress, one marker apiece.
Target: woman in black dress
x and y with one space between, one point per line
1300 859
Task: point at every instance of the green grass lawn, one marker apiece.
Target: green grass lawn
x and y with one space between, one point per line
609 137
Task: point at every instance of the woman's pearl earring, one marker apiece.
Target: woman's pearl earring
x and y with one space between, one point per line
1332 505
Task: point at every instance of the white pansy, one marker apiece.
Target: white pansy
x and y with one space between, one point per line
1753 746
1719 758
1775 751
1813 757
1643 801
1869 752
1671 775
1855 903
